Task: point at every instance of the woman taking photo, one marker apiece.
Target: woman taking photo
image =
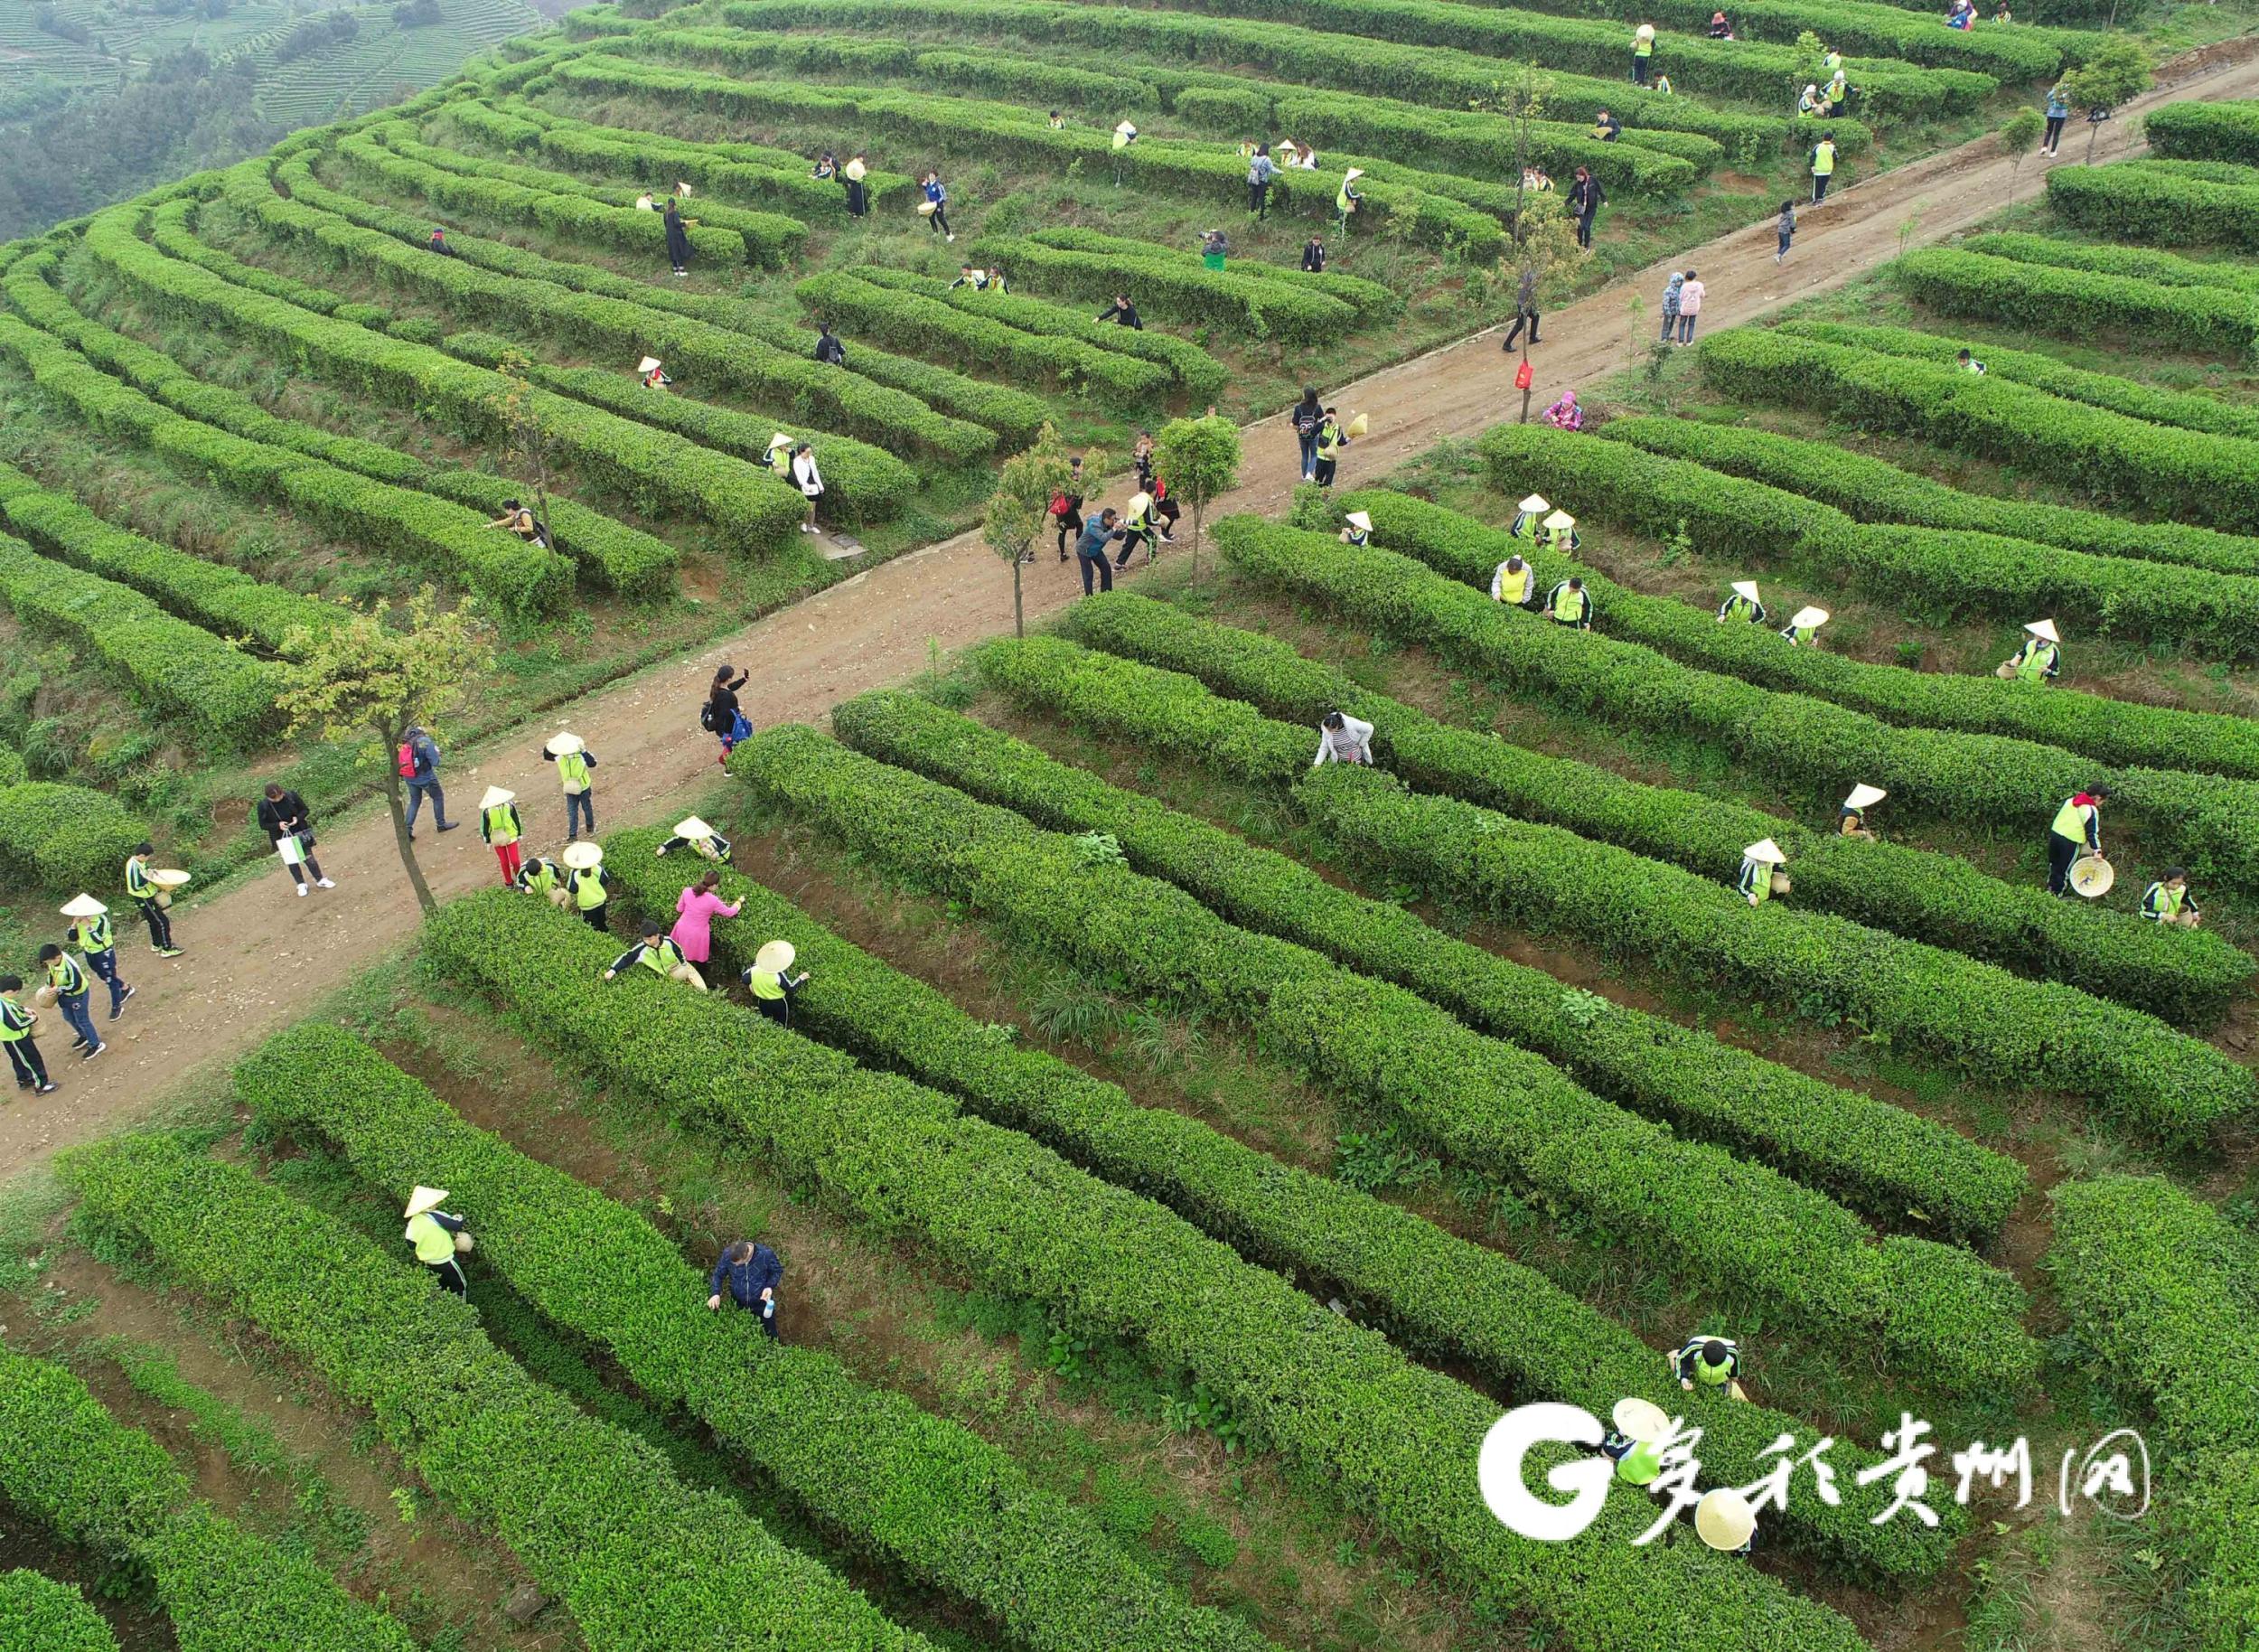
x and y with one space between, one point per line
721 716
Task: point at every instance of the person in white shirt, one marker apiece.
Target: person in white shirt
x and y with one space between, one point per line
807 479
1342 738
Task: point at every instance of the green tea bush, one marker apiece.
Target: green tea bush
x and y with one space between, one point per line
2138 204
594 1513
1164 289
38 1614
934 1497
1372 300
67 1464
2204 131
2204 320
1393 1438
2144 262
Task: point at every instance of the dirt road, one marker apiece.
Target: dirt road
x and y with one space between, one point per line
259 955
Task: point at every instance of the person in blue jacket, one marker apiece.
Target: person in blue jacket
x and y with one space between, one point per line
748 1273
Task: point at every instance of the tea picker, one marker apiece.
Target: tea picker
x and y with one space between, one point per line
1342 738
1803 626
2039 659
1850 819
1741 603
1761 877
658 952
2074 859
1635 1443
1713 1362
1514 583
2166 901
772 988
702 840
439 1237
151 890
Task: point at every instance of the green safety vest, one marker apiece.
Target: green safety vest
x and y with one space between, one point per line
1329 440
2158 902
10 1028
765 983
781 461
539 876
1342 203
1822 159
93 934
2032 664
572 768
1568 604
1801 633
588 889
66 976
661 958
1516 588
1562 539
1643 48
501 824
1642 1465
1757 879
1740 608
2070 821
432 1243
137 884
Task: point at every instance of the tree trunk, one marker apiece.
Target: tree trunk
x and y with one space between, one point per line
1199 507
1019 613
400 824
2093 136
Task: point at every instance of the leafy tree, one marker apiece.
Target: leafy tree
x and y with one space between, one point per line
521 425
1020 506
1544 242
2119 69
2018 134
371 682
1199 458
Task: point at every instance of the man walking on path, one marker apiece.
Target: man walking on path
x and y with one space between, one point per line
149 897
15 1032
1822 166
420 766
69 980
91 933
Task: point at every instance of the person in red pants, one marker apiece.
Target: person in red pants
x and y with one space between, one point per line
498 824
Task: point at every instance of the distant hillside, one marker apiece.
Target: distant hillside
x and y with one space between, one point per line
101 98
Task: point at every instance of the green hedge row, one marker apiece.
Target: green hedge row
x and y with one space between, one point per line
38 1614
916 322
1200 374
1301 57
1439 1293
2159 1290
1432 205
575 217
2145 262
1480 1099
2185 475
172 229
876 183
2136 203
70 1465
1875 491
1372 300
2079 303
931 1497
516 580
2204 131
754 511
216 596
1939 899
2213 823
173 666
594 1513
2043 373
59 837
1881 1160
1165 288
1393 1439
1733 518
489 284
1543 878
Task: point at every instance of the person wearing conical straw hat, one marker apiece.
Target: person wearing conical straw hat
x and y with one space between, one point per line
1560 534
1526 517
151 892
1514 583
1348 198
702 840
659 953
1713 1362
1724 1520
15 1033
1571 604
500 826
779 458
1850 819
1125 134
1643 52
574 760
585 887
1803 625
1356 529
1639 1433
68 980
1741 603
858 193
2075 833
1759 862
770 980
91 933
439 1237
2040 659
2167 901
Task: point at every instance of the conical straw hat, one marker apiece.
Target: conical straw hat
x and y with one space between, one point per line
1724 1519
1359 521
648 364
169 879
1808 617
423 1199
691 829
1641 1419
779 440
1745 587
2044 630
564 743
1533 504
83 907
496 797
1767 850
774 957
581 857
1862 796
1560 519
2093 876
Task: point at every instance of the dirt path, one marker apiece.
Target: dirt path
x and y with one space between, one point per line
257 955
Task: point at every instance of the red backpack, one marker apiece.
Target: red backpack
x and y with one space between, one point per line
407 761
1058 504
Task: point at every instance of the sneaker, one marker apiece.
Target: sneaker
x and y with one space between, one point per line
91 1054
76 1045
449 825
119 1008
48 1088
168 952
325 883
302 891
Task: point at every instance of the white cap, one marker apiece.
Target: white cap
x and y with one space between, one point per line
1805 617
1641 1419
581 857
1355 172
648 364
496 797
83 907
1724 1518
1745 587
689 829
2044 630
1767 850
774 957
423 1199
1560 519
1862 796
1533 504
564 743
1359 521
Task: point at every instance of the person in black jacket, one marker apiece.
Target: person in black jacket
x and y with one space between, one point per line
721 716
1068 522
1313 256
677 237
283 817
1584 200
829 350
1121 313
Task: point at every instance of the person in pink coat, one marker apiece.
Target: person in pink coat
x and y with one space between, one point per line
696 910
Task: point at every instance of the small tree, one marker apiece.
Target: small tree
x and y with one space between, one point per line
371 681
2019 132
1021 504
527 442
1199 458
2118 70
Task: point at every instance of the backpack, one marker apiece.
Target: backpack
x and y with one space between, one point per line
1304 422
407 757
705 717
1058 504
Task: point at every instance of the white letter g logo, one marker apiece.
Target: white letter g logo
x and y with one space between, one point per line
1499 1472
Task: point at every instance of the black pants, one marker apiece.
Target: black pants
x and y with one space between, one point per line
309 864
858 203
2055 132
1325 477
30 1068
593 915
768 1320
580 806
1259 199
1130 543
1584 230
1104 569
778 1010
1069 525
160 924
1513 333
2063 853
1819 181
940 219
1639 68
449 1273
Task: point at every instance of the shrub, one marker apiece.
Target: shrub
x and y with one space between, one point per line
588 1506
933 1496
1372 300
1393 1438
2204 131
38 1614
66 1464
2143 204
1934 897
2080 303
1799 739
2145 262
1437 1291
1219 299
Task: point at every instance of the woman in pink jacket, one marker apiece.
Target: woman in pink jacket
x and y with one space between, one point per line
1690 295
696 910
